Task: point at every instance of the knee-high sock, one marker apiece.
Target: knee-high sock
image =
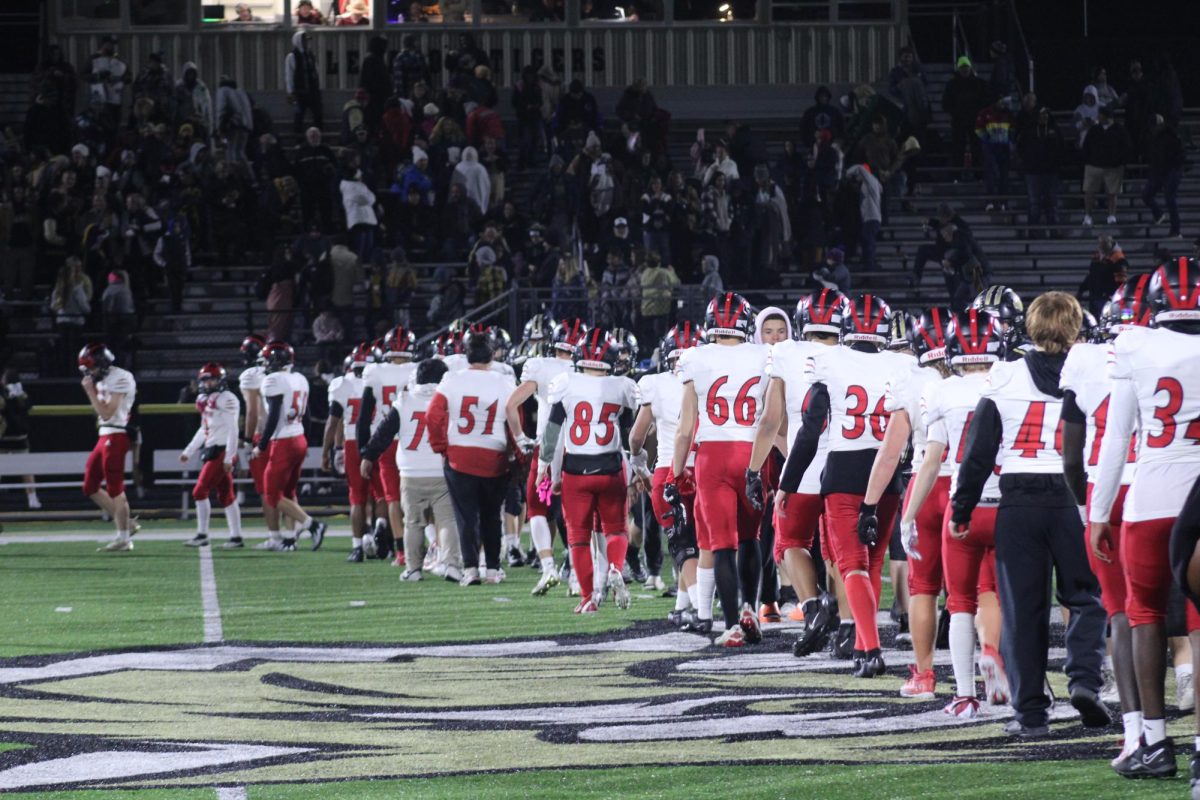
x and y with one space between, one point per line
749 562
203 515
727 585
863 605
616 549
581 562
539 530
233 518
962 653
706 586
600 555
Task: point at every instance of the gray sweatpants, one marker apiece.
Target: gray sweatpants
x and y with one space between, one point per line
417 496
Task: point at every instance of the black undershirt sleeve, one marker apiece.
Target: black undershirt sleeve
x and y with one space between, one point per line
1073 440
383 436
274 412
362 431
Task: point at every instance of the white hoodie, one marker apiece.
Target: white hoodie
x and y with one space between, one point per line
474 178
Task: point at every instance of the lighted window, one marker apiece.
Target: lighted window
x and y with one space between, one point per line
715 10
403 12
246 12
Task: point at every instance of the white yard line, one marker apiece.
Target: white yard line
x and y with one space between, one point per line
97 535
213 634
231 793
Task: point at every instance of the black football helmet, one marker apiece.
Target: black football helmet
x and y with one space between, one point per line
1005 305
681 337
1128 307
399 343
597 350
630 351
1174 296
568 334
252 345
900 327
729 314
538 327
974 337
927 336
360 357
95 359
820 312
278 356
502 341
448 344
866 319
1089 329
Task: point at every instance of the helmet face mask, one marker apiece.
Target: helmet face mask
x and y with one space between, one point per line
1005 305
629 351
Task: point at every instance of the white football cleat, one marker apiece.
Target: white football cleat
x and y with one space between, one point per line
117 546
616 585
962 708
587 606
995 681
412 575
1185 696
274 545
573 589
733 636
545 583
494 576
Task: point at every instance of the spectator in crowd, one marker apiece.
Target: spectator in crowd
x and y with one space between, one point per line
1165 159
555 199
1107 272
356 13
722 164
447 305
569 291
354 115
614 305
328 333
459 216
541 258
173 255
833 272
1087 113
303 82
315 171
965 272
822 115
71 302
193 102
965 96
376 80
106 80
656 220
55 77
347 272
399 286
143 226
1136 99
119 315
154 83
551 86
307 14
409 67
1167 96
416 176
935 250
870 193
417 226
771 223
358 203
243 13
711 285
281 300
906 85
17 242
1042 150
878 149
14 427
577 113
1106 95
235 121
993 126
658 284
493 277
474 179
1105 151
1003 80
527 104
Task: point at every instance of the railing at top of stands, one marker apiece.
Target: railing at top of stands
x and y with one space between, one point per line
960 43
501 305
1015 17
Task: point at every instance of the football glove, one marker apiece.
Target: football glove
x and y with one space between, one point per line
640 467
675 500
525 444
908 538
754 489
868 525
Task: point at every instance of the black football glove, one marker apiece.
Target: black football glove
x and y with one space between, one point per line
675 500
868 525
754 489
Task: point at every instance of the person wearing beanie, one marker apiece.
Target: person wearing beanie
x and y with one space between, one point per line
416 177
965 96
833 273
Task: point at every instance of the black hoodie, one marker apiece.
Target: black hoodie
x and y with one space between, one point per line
984 438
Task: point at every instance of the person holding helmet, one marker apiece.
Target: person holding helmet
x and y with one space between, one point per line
216 441
110 391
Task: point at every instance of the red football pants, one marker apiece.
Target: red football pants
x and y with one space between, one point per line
970 563
1148 573
925 575
360 490
720 493
284 462
1111 575
389 474
106 465
213 479
799 528
861 567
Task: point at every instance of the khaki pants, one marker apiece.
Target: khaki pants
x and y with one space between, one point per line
418 495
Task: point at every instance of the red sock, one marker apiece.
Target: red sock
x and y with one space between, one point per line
581 563
618 545
863 605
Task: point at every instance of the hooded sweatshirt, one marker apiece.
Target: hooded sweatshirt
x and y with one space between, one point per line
768 312
474 178
199 97
300 69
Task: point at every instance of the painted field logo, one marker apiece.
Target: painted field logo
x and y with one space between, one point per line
249 714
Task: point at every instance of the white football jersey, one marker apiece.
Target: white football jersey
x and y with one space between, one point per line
218 423
1086 374
543 371
293 388
594 404
787 363
947 408
1158 371
386 380
414 456
116 381
252 379
347 391
663 392
729 381
857 382
475 401
1032 438
904 394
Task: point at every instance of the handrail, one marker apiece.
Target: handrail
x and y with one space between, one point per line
956 30
487 311
1016 19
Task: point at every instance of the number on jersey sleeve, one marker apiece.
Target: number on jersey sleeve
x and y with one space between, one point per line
299 404
355 405
1100 417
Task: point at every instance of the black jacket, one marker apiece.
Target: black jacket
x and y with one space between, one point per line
1106 147
1164 152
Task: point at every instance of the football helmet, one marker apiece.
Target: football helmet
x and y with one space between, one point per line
538 327
569 333
629 350
399 343
1174 296
867 319
95 359
820 312
1005 305
728 314
502 341
681 337
899 327
211 377
278 356
974 337
597 350
1089 329
448 344
1128 307
360 356
252 345
927 336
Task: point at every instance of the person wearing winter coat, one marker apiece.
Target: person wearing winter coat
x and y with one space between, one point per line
965 96
235 120
527 103
1166 160
107 75
474 179
193 102
376 80
303 82
359 204
1041 149
409 66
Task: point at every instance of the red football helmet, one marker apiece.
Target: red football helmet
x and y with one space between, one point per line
1174 296
95 359
278 356
211 372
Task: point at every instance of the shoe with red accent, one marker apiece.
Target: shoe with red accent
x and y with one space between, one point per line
587 606
399 560
963 708
920 685
769 612
1126 752
733 636
748 622
796 614
995 681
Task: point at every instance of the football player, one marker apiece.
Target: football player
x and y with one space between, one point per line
1004 304
592 410
818 320
110 390
1086 397
847 394
382 383
536 376
723 387
216 441
974 342
250 385
345 407
1037 524
1155 388
923 542
285 394
465 425
661 395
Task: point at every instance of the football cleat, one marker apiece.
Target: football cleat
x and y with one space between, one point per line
453 574
117 546
532 559
515 558
962 708
412 575
616 585
817 627
733 636
903 634
269 544
872 665
748 622
1150 761
1126 752
368 545
675 618
1109 693
287 546
843 642
356 556
693 624
769 612
199 540
431 558
470 577
1018 730
316 529
545 583
637 572
573 589
792 611
1185 695
234 543
857 657
995 681
494 576
587 606
1093 713
654 583
920 685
